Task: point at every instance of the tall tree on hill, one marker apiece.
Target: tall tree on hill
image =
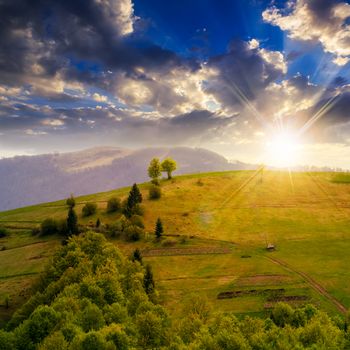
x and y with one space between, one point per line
72 222
135 197
169 165
154 170
159 228
71 201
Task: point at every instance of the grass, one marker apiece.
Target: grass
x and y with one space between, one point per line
341 178
306 216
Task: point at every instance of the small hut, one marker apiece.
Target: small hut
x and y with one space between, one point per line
270 247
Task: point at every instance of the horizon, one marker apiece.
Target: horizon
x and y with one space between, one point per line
254 81
294 168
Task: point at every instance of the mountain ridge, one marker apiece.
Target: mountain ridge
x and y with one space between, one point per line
28 180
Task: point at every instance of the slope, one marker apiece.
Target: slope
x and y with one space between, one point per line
306 216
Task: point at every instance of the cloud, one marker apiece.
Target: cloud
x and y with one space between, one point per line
242 73
99 98
49 45
325 21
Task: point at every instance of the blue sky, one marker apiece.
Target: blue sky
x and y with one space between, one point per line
226 75
181 25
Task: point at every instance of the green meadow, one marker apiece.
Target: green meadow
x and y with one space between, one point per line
217 227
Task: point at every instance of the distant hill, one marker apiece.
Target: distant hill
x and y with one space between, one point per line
26 180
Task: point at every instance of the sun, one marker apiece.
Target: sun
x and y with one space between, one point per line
283 150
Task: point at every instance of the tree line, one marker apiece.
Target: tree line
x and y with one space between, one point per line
91 297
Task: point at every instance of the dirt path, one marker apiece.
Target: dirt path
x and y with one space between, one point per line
316 286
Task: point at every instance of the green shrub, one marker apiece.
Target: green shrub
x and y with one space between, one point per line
48 227
62 227
89 209
133 233
139 209
3 232
113 205
137 220
155 192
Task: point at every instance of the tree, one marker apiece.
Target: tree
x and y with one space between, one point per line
154 170
137 256
169 165
134 198
72 222
159 228
71 201
113 205
148 281
89 209
98 223
155 192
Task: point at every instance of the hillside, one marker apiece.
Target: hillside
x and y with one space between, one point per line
91 297
219 225
30 180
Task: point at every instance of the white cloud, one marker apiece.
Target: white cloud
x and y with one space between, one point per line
120 12
32 132
52 122
325 24
99 98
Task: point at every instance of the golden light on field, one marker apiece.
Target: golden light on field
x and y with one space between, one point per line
283 150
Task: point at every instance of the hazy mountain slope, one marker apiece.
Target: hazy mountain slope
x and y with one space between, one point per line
35 179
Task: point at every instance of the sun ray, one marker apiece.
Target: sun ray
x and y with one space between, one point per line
246 102
320 113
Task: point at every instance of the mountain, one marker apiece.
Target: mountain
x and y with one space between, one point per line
26 180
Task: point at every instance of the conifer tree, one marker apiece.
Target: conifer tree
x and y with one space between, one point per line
135 197
72 222
137 256
159 228
148 281
71 201
98 223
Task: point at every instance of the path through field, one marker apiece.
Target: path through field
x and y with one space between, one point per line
316 286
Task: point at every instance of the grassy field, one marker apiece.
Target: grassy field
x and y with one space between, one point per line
225 221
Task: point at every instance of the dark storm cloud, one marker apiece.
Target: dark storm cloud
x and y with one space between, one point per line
58 35
243 74
322 9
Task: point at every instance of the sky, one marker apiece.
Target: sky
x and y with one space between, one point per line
258 81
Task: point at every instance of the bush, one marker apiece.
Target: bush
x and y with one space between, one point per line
62 227
139 209
155 182
133 233
116 229
89 209
155 192
3 232
137 220
113 205
48 227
